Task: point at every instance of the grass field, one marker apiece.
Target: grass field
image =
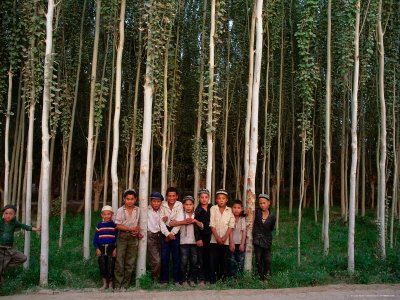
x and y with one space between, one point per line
68 269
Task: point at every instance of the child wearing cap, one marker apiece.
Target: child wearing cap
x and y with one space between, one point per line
202 214
154 235
264 223
127 219
237 239
222 222
9 255
105 243
190 233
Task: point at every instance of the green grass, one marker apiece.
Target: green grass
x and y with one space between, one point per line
68 269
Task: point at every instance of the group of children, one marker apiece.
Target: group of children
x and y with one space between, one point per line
206 243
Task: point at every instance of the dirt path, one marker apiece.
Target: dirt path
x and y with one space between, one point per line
334 292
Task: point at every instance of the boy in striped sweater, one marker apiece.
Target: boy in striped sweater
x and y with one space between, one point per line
105 243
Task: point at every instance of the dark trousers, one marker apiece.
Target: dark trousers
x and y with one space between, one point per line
127 246
106 261
219 262
237 261
168 248
189 253
9 258
154 253
203 258
263 261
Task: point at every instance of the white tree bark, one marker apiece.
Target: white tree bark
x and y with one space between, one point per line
251 188
395 163
48 65
6 140
354 156
164 158
118 75
327 135
382 161
89 158
210 129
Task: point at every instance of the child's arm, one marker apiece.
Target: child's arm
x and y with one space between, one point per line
96 242
241 247
227 234
231 244
217 238
36 229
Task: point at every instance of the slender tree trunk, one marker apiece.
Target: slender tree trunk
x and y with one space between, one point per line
342 161
21 160
382 162
6 140
319 174
48 65
210 129
363 165
396 171
89 158
200 107
164 158
246 159
293 113
303 163
144 160
251 187
354 156
118 79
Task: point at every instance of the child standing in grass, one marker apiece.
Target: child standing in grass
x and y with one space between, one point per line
127 219
202 214
237 239
105 242
222 222
9 255
264 223
154 235
190 233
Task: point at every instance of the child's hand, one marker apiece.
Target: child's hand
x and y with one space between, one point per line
165 219
37 229
98 252
140 236
114 254
223 240
232 247
241 248
199 243
219 241
189 221
171 237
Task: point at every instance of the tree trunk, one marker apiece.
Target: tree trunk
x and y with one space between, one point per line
48 65
354 156
342 161
6 140
293 113
118 78
89 158
396 172
302 198
251 187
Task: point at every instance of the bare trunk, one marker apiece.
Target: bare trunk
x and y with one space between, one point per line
342 161
396 172
293 112
164 158
302 198
6 140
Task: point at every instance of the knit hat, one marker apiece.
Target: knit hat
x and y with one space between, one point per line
156 195
265 196
203 191
188 198
8 206
222 191
106 207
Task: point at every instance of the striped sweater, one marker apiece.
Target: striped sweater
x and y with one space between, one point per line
106 233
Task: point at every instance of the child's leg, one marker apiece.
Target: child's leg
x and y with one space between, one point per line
185 251
154 253
258 252
193 263
267 262
239 256
165 254
103 262
225 261
110 262
130 259
175 258
232 262
120 261
213 262
12 258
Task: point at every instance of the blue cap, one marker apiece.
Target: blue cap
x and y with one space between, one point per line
156 195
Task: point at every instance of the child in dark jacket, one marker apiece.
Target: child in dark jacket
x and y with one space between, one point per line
264 223
105 242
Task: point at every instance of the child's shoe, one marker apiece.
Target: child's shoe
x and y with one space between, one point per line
192 284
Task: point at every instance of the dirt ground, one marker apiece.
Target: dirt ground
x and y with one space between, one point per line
335 292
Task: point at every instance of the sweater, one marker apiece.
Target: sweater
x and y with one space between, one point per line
7 231
106 233
204 217
262 232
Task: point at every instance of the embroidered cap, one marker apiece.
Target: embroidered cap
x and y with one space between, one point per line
106 207
9 206
156 195
188 198
204 191
222 191
265 196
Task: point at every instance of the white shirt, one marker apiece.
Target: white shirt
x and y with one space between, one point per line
221 222
153 220
187 231
125 219
172 215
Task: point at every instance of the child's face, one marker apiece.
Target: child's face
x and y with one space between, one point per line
188 206
264 204
107 215
204 199
155 203
8 215
222 200
172 197
237 209
130 200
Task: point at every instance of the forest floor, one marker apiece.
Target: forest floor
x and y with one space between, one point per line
337 292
